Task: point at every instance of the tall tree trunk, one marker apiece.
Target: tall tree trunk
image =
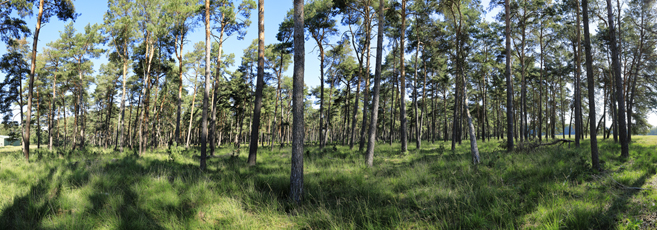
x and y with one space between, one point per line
578 71
591 83
523 86
471 129
322 127
540 91
206 94
619 85
143 122
38 120
418 128
213 105
402 69
366 90
119 134
255 125
181 40
377 85
28 115
394 91
509 86
51 114
354 119
296 175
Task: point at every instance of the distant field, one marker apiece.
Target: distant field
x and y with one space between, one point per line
430 188
6 149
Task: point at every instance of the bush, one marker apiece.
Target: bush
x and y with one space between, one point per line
175 152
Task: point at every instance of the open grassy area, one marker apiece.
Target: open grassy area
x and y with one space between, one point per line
430 188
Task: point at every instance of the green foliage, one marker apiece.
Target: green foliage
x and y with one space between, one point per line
175 152
631 224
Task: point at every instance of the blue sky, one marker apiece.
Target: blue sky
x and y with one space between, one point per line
92 11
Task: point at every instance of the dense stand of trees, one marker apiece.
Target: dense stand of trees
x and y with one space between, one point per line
452 66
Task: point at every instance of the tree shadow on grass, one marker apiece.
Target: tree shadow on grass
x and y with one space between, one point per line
28 211
643 159
112 195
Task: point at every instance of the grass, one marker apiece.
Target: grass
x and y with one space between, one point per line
430 188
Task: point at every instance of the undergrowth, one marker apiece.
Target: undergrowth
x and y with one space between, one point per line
430 188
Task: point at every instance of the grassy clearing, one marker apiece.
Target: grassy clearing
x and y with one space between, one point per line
430 188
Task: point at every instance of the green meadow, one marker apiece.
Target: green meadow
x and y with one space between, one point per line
431 188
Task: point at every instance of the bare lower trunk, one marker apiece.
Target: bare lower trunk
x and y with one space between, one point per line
206 95
404 139
191 117
509 86
296 175
255 125
377 85
471 129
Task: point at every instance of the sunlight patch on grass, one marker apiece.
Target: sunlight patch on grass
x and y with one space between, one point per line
429 188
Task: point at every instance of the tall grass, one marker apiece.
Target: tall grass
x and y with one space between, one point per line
429 188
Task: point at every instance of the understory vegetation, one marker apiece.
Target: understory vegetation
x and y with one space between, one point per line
549 188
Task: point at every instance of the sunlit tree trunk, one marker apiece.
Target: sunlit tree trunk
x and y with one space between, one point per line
255 125
377 85
206 95
28 114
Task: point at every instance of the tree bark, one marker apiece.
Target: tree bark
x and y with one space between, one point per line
578 71
509 86
255 125
377 85
619 86
28 114
206 95
191 115
296 175
402 98
591 83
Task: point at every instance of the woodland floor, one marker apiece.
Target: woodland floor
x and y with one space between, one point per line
430 188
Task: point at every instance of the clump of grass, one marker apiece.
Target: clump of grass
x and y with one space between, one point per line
551 188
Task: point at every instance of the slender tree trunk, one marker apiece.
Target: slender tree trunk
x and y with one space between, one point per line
578 71
540 91
213 105
191 116
255 125
394 93
445 113
471 129
322 126
377 85
296 175
28 115
179 55
354 119
433 113
619 86
591 83
206 95
119 134
523 88
418 141
402 69
366 74
150 49
509 86
38 120
51 114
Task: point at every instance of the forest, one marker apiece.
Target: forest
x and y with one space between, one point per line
361 114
